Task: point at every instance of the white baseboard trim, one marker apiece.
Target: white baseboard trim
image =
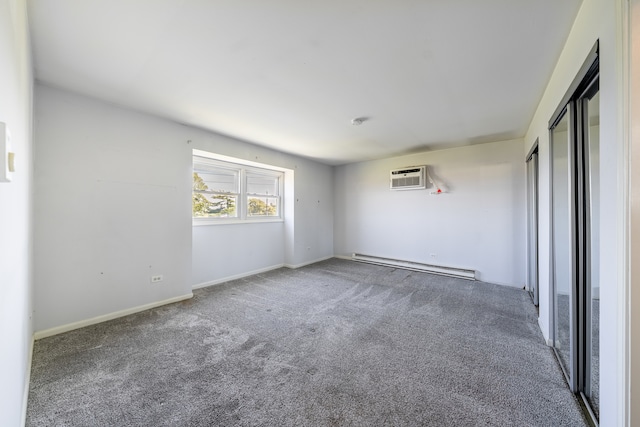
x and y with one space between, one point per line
99 319
294 266
348 258
547 341
27 381
236 276
258 271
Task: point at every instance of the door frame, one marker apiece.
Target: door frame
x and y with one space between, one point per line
533 226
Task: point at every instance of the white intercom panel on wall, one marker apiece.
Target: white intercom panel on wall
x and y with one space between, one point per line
7 166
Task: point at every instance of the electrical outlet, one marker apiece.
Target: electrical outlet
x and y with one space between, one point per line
434 256
155 279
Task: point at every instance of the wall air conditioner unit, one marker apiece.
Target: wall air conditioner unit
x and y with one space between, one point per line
409 178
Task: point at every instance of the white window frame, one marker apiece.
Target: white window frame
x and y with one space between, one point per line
244 170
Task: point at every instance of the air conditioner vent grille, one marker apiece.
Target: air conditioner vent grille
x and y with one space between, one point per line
412 177
405 182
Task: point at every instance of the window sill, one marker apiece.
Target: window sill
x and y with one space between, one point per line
198 222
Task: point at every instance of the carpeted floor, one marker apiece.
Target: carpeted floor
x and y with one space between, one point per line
336 343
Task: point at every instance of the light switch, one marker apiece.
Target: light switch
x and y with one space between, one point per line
8 164
11 161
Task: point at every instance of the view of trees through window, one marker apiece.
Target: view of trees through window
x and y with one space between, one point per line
207 204
262 207
226 190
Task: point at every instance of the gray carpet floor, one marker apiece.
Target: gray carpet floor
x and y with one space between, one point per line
336 343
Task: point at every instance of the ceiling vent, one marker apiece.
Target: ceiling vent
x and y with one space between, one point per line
409 178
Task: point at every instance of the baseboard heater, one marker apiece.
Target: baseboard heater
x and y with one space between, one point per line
461 273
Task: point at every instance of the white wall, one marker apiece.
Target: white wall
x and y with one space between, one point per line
634 203
480 223
113 207
597 19
15 215
223 251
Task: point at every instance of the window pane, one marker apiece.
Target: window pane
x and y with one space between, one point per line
262 184
216 179
562 243
214 205
262 206
592 391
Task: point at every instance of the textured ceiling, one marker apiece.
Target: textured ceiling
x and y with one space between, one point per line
291 75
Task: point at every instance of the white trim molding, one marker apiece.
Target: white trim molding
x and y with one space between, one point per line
27 381
628 297
105 317
294 266
547 340
236 276
254 272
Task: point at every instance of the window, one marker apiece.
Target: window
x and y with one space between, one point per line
225 191
262 194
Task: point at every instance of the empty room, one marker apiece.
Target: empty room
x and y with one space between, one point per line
218 213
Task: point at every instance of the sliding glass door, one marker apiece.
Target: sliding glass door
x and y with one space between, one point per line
575 238
532 224
563 244
591 110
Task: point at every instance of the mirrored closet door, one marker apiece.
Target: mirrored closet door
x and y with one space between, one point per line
575 238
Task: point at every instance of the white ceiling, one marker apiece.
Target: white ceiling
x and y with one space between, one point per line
291 74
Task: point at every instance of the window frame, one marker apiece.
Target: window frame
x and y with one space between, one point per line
257 172
242 196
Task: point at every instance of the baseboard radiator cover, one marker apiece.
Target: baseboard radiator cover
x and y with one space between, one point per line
462 273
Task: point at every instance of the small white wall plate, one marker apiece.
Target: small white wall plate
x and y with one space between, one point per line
5 148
